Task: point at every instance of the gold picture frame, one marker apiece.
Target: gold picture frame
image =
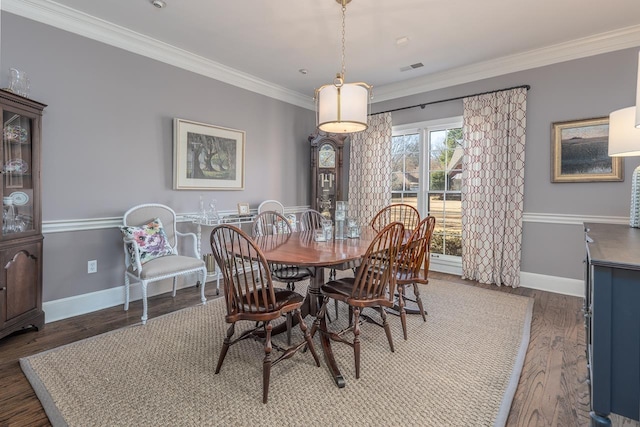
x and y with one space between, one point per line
579 152
207 157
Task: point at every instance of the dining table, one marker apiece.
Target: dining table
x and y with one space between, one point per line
303 250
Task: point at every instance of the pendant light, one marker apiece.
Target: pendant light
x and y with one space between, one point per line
342 107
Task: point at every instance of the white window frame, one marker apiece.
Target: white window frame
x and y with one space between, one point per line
439 262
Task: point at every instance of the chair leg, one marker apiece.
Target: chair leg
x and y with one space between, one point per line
319 316
289 318
203 299
387 328
126 292
416 292
307 337
266 364
144 302
336 305
403 312
225 346
356 340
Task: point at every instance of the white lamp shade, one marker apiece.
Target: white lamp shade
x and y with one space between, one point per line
637 122
624 137
344 109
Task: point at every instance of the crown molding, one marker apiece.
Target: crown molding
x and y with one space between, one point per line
575 49
68 19
65 18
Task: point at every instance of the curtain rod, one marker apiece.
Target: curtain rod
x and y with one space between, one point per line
424 104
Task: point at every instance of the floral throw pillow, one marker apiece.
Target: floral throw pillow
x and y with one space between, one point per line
151 239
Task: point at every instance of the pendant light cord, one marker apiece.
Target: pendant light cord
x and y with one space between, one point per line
344 12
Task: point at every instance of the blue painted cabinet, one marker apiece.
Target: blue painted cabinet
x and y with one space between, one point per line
612 313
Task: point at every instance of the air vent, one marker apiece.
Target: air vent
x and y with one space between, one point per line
412 66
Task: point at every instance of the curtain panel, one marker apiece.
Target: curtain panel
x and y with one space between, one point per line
493 186
370 169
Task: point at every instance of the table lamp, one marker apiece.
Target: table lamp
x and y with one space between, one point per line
624 141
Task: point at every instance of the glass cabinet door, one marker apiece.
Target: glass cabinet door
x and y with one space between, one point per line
17 182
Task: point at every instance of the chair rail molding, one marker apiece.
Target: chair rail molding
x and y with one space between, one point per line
67 225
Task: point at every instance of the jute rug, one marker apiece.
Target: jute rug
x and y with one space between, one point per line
460 368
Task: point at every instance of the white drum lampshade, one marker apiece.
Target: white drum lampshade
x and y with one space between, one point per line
624 141
342 109
637 121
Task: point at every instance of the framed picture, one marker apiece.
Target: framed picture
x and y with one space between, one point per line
579 152
207 157
243 208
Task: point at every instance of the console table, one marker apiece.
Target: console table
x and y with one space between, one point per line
201 221
612 320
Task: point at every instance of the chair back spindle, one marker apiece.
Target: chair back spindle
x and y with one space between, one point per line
400 212
244 287
374 273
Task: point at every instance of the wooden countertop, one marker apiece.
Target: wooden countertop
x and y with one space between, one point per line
614 245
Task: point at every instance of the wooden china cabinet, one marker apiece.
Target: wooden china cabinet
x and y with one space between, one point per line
21 232
326 171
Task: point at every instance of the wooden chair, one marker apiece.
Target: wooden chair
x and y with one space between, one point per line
311 220
271 223
413 256
369 288
151 251
271 205
250 295
400 212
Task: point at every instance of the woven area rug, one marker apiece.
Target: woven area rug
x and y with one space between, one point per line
459 368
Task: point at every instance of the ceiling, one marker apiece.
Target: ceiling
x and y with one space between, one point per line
265 43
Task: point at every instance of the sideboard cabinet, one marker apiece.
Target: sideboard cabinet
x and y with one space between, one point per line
612 315
21 231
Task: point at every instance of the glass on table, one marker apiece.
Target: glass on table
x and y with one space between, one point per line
327 229
353 229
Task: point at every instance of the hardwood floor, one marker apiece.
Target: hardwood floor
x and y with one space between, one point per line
552 390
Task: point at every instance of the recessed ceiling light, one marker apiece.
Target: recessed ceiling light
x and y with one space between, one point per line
158 3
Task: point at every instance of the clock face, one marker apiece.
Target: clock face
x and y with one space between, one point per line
327 156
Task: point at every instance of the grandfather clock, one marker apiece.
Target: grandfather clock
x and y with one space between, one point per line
326 171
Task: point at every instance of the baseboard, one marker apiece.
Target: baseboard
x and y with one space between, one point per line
87 303
542 282
555 284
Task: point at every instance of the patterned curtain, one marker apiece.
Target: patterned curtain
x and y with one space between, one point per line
493 186
370 169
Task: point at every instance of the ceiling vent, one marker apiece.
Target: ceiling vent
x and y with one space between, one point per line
412 66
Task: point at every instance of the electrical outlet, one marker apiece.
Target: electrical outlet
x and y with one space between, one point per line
92 266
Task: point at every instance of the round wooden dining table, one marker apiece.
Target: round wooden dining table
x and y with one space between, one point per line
302 249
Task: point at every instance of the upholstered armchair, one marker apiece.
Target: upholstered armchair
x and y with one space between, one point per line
151 253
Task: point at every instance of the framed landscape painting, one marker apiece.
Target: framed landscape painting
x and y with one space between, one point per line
579 152
207 157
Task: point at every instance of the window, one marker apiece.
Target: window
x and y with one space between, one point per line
427 173
405 169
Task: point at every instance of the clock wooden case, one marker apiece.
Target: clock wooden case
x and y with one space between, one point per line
326 171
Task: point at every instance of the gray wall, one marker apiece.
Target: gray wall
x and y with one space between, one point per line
579 89
107 144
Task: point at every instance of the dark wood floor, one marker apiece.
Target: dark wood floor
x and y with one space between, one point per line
552 389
